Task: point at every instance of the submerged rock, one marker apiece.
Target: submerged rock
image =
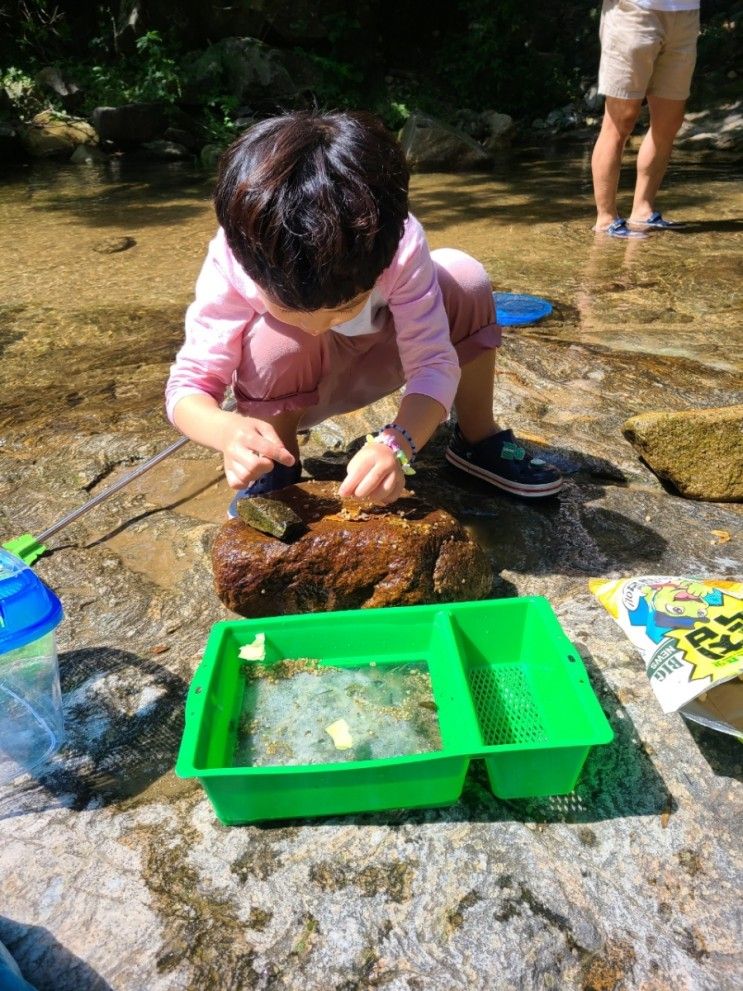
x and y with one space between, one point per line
164 151
698 451
112 245
352 556
88 155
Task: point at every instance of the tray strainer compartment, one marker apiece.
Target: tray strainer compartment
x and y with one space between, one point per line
506 709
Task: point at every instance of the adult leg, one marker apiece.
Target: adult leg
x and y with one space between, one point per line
620 117
666 117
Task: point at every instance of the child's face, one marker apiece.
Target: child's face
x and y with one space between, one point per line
318 321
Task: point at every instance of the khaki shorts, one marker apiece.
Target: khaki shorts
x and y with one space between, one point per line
646 51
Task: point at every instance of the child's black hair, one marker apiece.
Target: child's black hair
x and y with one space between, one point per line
313 205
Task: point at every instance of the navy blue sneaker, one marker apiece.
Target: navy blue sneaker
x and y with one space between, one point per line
502 461
277 478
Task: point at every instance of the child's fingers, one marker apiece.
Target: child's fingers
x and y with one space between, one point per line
268 443
385 495
348 486
389 490
372 474
393 487
372 481
357 469
258 447
240 470
360 467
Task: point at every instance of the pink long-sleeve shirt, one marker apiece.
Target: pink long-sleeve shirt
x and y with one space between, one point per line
228 303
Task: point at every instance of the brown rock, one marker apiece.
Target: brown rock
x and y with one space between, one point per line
699 451
351 556
49 134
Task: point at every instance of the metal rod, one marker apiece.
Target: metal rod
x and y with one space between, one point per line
102 496
228 405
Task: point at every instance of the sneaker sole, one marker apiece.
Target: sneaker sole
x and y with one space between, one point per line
529 491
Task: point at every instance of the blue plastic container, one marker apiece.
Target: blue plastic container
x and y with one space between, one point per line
31 721
516 309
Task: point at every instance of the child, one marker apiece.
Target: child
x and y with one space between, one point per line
319 296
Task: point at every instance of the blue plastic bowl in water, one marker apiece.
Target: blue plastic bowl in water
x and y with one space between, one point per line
512 309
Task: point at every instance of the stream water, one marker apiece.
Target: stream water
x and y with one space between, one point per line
321 714
528 222
87 334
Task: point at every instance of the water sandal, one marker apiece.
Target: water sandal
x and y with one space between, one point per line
619 228
278 478
656 222
501 461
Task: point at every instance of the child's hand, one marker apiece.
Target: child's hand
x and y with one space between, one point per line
250 448
374 474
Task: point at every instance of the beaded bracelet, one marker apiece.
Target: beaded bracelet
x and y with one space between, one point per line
403 433
401 456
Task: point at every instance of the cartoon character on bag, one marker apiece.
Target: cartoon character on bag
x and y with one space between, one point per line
673 605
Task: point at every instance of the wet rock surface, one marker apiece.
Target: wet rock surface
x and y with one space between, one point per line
700 452
115 874
113 245
352 556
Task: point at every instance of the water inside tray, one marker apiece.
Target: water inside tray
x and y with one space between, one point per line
373 712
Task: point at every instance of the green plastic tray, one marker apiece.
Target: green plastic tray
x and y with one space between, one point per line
509 686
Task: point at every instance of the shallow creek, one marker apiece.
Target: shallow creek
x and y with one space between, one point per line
87 335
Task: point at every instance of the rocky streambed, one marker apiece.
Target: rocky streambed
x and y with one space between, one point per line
116 873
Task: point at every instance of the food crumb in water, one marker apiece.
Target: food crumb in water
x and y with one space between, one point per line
340 734
255 651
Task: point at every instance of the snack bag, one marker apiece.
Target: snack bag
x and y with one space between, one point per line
690 635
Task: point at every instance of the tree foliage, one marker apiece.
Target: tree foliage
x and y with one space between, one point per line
389 55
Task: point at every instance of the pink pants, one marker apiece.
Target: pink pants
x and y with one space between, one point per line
332 374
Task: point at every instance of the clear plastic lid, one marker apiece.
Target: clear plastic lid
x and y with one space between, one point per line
28 608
